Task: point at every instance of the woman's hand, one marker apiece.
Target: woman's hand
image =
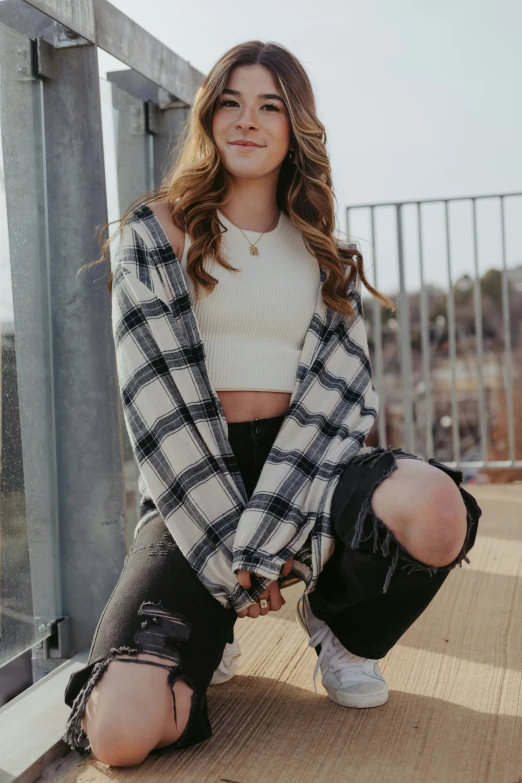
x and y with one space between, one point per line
272 592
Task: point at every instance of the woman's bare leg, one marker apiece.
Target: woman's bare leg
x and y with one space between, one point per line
130 712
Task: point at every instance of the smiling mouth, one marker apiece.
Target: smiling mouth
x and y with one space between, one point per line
245 146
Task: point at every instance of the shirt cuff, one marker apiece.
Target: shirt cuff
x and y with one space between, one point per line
262 563
240 598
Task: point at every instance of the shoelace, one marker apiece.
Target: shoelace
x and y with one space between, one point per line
330 644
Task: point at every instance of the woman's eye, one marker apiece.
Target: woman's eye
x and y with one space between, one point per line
230 100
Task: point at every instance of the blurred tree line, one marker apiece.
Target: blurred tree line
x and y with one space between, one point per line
492 323
463 294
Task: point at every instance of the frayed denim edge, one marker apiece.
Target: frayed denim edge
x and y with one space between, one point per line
74 734
390 542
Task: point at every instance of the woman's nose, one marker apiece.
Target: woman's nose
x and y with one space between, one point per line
247 117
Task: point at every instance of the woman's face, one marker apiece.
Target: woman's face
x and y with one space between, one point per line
244 113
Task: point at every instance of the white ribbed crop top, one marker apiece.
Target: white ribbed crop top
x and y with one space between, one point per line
254 322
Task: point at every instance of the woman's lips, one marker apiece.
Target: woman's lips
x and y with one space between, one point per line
245 144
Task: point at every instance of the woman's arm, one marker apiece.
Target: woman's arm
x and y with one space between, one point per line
196 500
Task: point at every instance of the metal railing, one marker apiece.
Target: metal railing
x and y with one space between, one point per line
410 378
68 493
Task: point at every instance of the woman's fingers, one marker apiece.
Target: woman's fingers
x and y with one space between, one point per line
287 567
254 610
276 600
272 593
243 577
265 595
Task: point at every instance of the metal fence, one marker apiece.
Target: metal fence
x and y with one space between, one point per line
436 235
76 150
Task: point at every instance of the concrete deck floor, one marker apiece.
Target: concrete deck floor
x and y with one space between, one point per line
455 709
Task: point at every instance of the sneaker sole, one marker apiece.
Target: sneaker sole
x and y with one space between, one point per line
359 701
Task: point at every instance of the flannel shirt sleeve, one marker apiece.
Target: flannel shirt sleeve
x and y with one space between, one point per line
339 397
180 475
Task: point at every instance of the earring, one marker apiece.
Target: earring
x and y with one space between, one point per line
291 155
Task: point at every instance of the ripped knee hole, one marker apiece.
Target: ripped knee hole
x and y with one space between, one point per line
160 635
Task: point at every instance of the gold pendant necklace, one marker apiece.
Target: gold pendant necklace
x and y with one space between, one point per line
254 251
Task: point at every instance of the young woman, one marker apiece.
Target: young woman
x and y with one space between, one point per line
247 394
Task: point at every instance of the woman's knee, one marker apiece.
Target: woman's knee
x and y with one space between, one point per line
424 509
118 750
130 713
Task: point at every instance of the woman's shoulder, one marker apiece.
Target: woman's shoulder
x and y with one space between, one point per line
175 234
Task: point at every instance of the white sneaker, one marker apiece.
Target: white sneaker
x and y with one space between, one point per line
228 665
348 679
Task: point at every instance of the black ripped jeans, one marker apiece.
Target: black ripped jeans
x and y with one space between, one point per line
370 591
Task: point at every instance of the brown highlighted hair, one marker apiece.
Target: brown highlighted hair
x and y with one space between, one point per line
197 184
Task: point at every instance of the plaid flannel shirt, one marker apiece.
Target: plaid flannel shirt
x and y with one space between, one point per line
179 433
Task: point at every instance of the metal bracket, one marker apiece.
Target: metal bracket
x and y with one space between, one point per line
152 115
57 643
138 119
42 54
65 37
168 101
24 62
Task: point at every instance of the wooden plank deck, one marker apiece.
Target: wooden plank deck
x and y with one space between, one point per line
455 709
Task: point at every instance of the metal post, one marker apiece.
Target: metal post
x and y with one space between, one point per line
404 320
452 343
508 382
171 120
377 342
29 470
477 295
426 347
88 429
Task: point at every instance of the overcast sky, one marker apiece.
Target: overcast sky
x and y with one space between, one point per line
419 100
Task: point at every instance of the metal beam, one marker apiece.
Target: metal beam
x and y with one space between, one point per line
135 84
79 15
22 18
432 200
116 33
120 36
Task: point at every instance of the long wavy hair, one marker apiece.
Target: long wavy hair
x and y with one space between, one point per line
197 184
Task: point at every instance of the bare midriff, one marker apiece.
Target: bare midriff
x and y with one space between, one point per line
245 405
